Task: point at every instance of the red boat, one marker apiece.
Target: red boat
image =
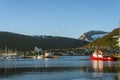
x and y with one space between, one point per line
97 55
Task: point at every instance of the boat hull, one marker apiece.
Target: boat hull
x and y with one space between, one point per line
104 58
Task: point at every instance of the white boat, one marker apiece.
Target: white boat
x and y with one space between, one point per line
48 55
41 54
38 57
10 56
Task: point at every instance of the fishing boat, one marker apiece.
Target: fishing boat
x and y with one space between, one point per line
98 55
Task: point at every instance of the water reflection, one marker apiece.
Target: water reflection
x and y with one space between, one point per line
100 68
106 66
97 66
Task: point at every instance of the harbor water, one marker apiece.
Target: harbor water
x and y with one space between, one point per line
61 68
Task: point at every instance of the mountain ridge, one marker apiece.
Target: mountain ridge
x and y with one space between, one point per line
92 35
26 42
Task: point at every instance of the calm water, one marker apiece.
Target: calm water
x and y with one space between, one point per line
62 68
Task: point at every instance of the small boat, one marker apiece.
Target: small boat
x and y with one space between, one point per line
50 55
10 56
38 57
98 55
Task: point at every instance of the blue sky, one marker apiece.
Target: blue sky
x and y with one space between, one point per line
67 18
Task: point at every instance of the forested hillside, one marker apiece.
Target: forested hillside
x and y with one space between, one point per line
24 42
107 41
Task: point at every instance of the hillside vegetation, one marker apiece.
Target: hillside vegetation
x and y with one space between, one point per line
105 42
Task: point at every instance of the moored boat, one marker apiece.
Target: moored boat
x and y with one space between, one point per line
98 55
10 56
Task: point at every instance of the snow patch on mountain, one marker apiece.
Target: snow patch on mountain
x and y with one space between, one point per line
92 35
98 36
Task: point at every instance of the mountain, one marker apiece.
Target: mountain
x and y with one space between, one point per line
106 41
92 35
25 42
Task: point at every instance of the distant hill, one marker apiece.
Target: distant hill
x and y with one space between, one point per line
105 41
92 35
24 42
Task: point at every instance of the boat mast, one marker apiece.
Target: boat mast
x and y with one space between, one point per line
6 50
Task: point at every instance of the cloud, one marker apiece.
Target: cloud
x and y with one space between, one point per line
56 32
